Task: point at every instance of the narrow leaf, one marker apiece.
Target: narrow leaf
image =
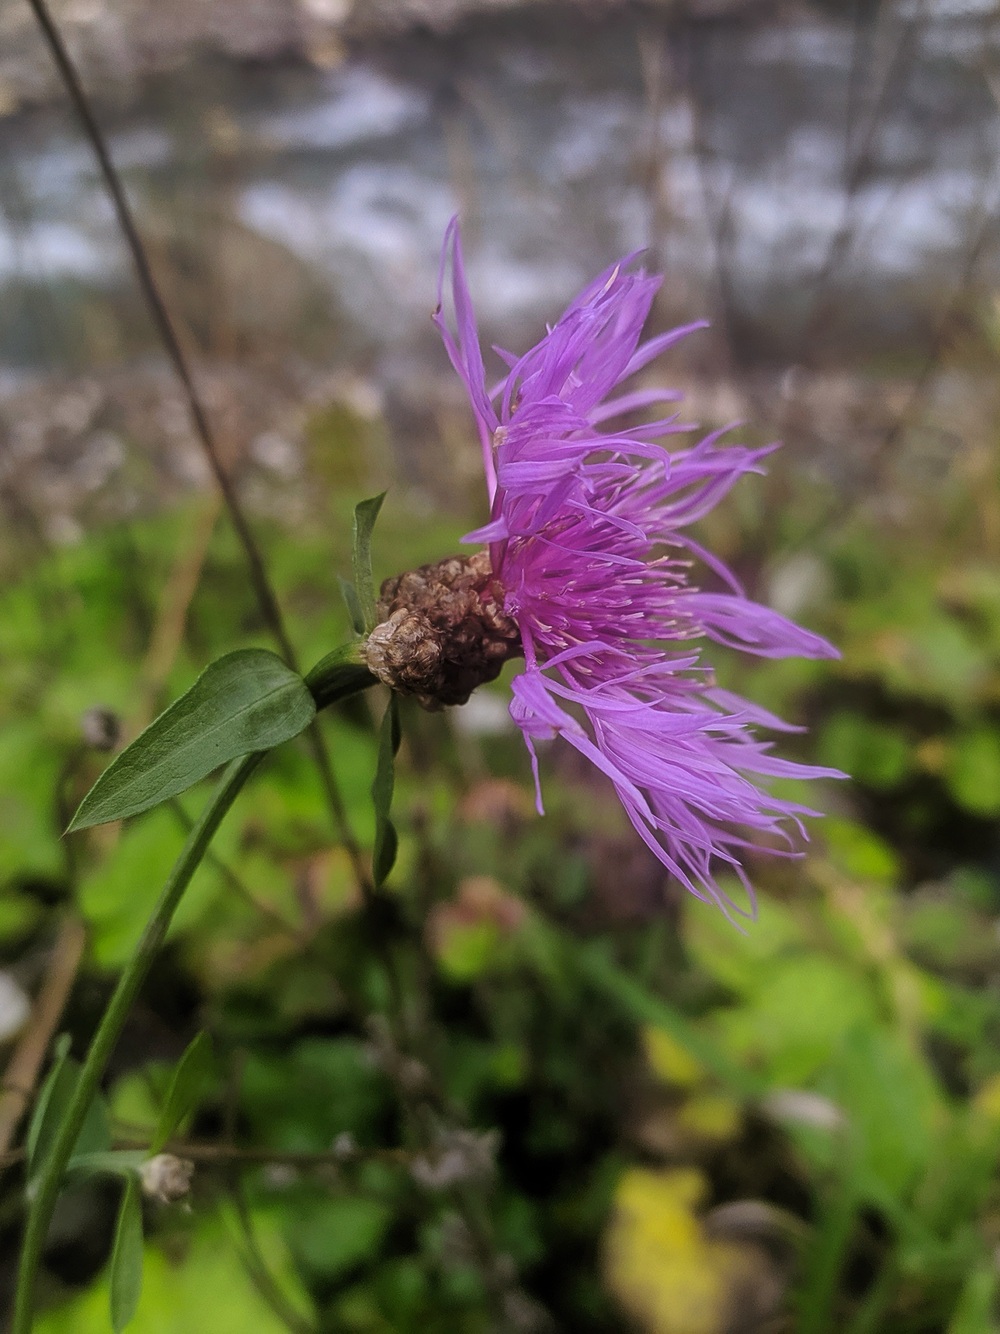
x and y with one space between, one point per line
247 701
95 1133
350 595
603 974
386 839
54 1098
126 1258
384 854
190 1077
365 514
108 1162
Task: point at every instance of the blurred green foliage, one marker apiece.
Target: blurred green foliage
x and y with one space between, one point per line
798 1125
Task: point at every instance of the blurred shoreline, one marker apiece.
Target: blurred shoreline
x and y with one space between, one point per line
118 44
822 191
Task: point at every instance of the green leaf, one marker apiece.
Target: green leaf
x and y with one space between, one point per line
742 963
190 1077
896 1110
803 1011
365 514
126 1258
873 752
109 1162
246 701
974 1313
350 595
858 852
201 1285
973 772
596 968
386 839
330 1236
54 1098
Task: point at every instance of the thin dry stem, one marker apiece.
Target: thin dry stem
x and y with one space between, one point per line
168 632
25 1065
167 331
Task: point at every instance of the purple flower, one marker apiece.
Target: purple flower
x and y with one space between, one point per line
589 541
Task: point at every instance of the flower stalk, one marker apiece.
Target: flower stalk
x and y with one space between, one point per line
47 1189
339 674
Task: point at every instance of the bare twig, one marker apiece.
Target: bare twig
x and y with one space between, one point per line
161 317
168 632
717 203
924 379
843 505
230 1153
259 1271
249 1157
860 163
22 1071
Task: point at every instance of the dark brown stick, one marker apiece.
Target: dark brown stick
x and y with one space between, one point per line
21 1075
172 344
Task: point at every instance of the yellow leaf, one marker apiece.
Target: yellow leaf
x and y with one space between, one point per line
667 1274
711 1116
669 1061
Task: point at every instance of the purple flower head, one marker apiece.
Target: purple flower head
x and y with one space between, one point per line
589 541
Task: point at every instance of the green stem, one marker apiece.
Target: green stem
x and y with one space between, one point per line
818 1295
47 1190
339 674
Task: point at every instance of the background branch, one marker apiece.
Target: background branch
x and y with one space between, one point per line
167 332
25 1065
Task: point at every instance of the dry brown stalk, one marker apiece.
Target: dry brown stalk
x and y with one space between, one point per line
21 1075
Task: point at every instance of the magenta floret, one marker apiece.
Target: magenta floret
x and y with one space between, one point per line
588 540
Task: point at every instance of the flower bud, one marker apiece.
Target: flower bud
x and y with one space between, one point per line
442 631
101 728
166 1178
458 1155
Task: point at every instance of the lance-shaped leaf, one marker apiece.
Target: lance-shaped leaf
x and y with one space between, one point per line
53 1096
126 1258
350 595
365 514
123 1163
247 701
53 1100
190 1077
386 841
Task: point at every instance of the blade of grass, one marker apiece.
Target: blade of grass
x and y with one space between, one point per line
593 964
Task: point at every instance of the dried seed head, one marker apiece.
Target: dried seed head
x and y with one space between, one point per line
101 728
442 631
166 1178
458 1155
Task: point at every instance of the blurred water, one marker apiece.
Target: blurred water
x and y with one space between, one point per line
818 177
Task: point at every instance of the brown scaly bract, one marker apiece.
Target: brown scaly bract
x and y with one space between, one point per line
442 631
